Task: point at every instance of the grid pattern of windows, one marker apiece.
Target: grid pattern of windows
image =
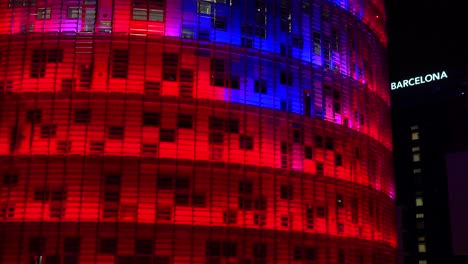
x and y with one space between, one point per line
155 131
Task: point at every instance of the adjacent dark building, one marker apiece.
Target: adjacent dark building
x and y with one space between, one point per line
429 122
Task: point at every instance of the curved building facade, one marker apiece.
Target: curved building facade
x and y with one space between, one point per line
195 131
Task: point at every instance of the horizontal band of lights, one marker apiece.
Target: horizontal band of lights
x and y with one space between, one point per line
195 131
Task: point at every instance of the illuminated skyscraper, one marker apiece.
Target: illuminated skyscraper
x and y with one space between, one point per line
185 131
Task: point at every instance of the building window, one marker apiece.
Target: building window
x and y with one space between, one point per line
419 201
286 192
259 219
421 248
34 116
338 160
230 217
115 132
286 77
232 126
306 253
419 216
170 66
329 144
260 251
63 146
187 32
415 136
285 24
420 225
286 221
204 7
181 199
219 22
260 86
341 256
247 42
233 82
286 50
422 261
413 128
415 149
82 116
186 83
37 244
309 212
204 34
335 40
21 3
184 121
120 64
144 247
284 148
7 210
148 10
108 246
48 131
150 149
156 15
213 248
416 157
216 123
246 142
167 135
284 162
152 87
218 67
339 201
417 171
260 32
260 19
318 141
245 187
74 12
199 200
216 138
164 213
247 29
86 75
297 136
244 203
308 152
111 196
43 13
317 43
96 146
340 228
164 182
39 61
71 245
151 119
297 41
113 180
229 249
319 168
68 84
10 179
321 212
217 153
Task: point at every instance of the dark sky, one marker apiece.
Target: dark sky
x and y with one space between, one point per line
426 36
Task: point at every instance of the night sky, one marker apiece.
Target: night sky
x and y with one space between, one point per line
426 36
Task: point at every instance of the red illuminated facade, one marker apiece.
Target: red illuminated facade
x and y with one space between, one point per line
192 131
